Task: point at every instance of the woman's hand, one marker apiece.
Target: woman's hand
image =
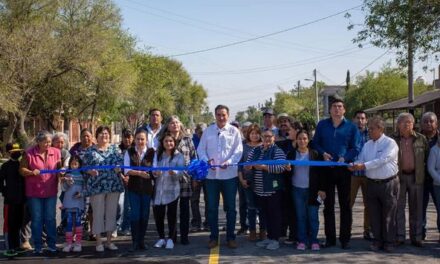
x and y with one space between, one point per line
248 167
261 167
157 173
93 173
171 173
35 172
288 167
144 174
125 179
321 194
244 183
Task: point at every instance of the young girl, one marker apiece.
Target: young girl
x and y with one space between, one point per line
167 189
307 193
73 204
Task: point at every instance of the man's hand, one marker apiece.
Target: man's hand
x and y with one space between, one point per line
224 165
211 162
357 166
327 156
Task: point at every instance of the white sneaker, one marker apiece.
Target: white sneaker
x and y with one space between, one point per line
77 248
111 246
170 244
67 248
160 243
100 248
115 234
273 245
263 243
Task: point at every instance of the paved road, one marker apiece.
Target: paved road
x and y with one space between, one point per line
197 251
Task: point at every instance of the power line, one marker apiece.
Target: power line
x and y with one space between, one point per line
264 36
371 63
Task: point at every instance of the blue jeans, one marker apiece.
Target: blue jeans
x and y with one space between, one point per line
252 210
140 206
306 215
228 189
43 213
437 204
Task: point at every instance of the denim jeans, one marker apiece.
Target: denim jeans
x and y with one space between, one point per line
252 210
437 205
43 213
140 206
228 189
124 209
306 215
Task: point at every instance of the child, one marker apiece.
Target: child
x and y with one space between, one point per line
167 189
73 203
13 190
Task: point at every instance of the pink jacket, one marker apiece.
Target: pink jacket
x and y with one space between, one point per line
43 185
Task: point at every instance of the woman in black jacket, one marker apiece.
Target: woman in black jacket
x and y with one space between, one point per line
307 192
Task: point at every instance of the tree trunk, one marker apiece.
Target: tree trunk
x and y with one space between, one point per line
8 134
21 131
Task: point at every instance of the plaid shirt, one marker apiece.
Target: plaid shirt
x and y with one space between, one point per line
186 147
364 139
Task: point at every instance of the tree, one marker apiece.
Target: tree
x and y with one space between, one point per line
411 27
375 89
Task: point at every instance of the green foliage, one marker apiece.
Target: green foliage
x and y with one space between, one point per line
375 89
393 24
252 114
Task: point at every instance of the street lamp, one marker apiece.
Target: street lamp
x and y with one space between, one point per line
316 94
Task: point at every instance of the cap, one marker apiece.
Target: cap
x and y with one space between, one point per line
246 124
268 111
236 124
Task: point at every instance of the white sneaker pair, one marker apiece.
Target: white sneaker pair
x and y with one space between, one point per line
168 243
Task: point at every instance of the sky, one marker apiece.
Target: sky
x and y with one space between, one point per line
224 46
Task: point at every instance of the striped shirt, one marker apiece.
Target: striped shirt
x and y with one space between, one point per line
273 169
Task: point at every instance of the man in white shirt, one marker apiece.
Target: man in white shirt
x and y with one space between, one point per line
221 145
379 160
153 128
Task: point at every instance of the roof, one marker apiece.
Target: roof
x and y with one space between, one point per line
403 103
332 90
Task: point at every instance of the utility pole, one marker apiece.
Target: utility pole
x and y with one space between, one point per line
298 86
316 96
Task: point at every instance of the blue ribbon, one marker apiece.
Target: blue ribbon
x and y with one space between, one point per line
198 169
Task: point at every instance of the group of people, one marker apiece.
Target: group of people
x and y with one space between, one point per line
282 199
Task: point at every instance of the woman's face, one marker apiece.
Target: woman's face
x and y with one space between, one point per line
103 137
254 136
86 139
292 134
168 143
174 126
268 138
141 140
302 141
45 144
58 143
127 141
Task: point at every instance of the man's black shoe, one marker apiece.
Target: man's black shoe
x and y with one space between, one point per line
417 243
328 244
345 245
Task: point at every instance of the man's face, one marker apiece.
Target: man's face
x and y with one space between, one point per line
361 120
337 110
374 132
406 126
429 124
155 118
127 140
221 116
268 120
284 124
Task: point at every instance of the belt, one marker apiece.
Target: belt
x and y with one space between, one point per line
384 180
408 172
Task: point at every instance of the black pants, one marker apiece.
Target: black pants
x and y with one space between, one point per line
288 214
382 207
184 217
338 177
15 220
428 189
242 207
196 220
159 217
271 210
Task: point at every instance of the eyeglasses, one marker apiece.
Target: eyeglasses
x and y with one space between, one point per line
267 136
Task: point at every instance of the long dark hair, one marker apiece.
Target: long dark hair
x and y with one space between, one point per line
75 158
161 149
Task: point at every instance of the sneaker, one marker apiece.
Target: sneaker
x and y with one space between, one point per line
100 248
52 249
264 243
38 252
289 241
170 244
10 253
160 243
115 234
316 247
301 246
273 245
67 248
111 246
77 248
